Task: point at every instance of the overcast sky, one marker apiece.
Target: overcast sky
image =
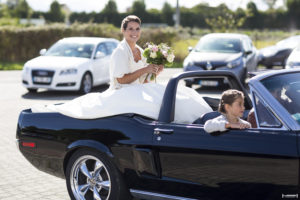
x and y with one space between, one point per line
98 5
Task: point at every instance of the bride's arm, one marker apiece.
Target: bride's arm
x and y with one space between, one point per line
130 77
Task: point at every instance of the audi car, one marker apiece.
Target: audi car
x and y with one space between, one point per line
74 63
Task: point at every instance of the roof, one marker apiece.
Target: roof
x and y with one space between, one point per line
228 35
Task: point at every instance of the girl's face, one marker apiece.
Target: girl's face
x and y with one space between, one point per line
132 32
236 109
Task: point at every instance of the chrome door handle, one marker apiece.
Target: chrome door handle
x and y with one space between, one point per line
158 131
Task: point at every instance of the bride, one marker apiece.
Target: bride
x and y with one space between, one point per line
130 90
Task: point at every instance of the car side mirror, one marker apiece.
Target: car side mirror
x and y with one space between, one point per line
43 51
190 49
99 54
246 53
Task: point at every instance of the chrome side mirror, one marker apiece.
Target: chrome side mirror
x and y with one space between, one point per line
43 51
190 48
99 54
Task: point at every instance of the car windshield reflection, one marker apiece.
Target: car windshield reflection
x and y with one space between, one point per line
286 89
223 45
71 50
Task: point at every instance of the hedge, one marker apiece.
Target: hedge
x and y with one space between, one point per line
21 44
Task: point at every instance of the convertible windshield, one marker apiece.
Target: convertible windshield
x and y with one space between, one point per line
222 45
71 50
286 89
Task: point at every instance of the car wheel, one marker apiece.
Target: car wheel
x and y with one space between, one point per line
32 90
91 175
86 83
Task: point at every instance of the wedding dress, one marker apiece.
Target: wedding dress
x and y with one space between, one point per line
143 99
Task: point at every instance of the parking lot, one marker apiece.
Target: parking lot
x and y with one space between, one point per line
18 178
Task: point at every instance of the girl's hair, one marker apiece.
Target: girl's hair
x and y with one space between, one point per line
228 97
130 18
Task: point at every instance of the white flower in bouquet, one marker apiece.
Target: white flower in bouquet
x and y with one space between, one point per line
160 54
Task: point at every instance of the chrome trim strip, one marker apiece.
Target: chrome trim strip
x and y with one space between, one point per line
155 196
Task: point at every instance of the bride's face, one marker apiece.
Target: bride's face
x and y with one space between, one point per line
132 32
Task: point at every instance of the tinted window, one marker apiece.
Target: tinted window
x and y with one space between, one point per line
71 50
223 45
102 48
286 89
265 116
110 47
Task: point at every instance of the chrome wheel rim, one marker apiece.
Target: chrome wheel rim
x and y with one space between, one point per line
90 179
87 83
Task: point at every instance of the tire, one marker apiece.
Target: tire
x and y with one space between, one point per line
90 175
86 83
32 90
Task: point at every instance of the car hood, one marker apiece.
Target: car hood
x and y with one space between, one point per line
213 56
55 62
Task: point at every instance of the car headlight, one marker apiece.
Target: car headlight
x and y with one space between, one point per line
234 63
68 71
26 70
187 63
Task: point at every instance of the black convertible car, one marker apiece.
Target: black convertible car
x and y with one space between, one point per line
130 155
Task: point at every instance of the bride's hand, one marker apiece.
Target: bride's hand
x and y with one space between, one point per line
151 68
160 69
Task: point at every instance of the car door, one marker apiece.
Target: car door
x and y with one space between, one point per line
101 64
259 163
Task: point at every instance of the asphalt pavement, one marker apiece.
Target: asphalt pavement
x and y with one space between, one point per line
18 178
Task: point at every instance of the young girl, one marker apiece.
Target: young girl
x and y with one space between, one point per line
232 108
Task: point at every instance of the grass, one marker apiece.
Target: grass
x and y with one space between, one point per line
11 65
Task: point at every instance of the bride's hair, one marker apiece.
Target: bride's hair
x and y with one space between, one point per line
130 18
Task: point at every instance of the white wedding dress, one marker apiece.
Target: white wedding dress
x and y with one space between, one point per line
143 99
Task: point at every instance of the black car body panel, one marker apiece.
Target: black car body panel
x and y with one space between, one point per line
162 157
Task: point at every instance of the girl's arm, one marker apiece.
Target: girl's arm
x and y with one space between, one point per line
216 124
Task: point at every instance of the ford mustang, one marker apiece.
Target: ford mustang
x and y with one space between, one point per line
130 155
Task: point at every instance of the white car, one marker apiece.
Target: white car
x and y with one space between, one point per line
75 63
294 59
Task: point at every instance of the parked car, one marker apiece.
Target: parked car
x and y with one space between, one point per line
75 63
222 51
277 55
294 58
132 155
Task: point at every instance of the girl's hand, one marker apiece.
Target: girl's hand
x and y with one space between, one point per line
238 126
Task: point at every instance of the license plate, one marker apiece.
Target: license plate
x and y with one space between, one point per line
41 79
208 83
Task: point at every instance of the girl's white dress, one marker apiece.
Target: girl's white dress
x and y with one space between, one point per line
144 99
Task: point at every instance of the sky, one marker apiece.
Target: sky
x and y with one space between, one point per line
122 5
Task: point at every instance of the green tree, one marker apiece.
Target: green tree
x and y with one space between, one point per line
139 9
110 13
167 13
224 19
293 7
23 10
55 14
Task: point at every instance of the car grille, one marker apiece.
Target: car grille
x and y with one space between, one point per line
210 65
42 77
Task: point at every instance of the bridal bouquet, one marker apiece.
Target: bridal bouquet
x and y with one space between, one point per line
158 54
